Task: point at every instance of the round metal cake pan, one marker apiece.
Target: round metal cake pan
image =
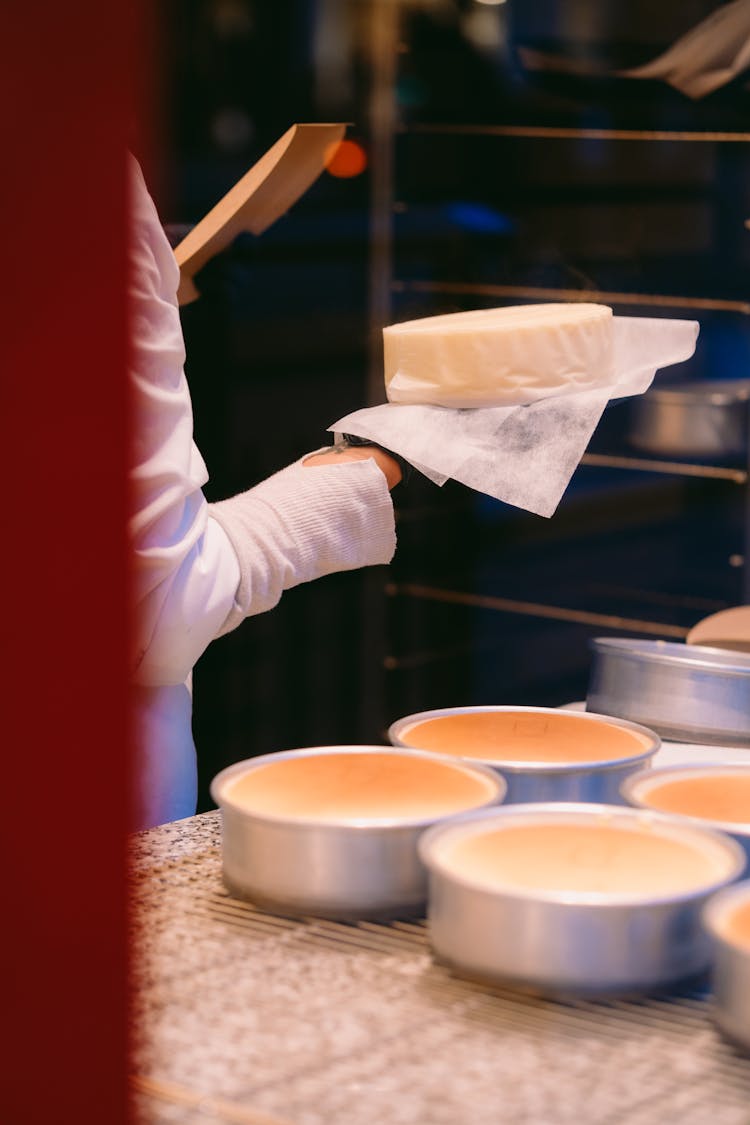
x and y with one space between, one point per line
730 974
293 854
560 940
641 790
686 693
700 419
593 780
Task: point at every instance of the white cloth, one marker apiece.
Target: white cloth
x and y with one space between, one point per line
708 56
192 579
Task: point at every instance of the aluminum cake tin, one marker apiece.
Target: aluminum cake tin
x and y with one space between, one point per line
355 860
639 790
730 974
534 928
596 780
686 693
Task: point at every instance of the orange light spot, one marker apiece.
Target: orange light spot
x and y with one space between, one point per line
345 159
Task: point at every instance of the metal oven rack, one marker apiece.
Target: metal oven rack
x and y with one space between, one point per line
388 48
248 1017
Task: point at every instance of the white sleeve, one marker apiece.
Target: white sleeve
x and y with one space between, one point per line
303 523
199 570
185 572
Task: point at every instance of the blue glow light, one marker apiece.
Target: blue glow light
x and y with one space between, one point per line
479 217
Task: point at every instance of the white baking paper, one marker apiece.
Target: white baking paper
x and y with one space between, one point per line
524 455
706 57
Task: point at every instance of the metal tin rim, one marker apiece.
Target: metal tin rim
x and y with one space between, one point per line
733 827
579 811
532 767
719 905
360 824
723 661
721 393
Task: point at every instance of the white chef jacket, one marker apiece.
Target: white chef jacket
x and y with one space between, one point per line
199 569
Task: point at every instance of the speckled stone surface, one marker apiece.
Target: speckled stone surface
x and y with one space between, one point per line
248 1017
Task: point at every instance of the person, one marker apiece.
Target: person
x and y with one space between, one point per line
199 569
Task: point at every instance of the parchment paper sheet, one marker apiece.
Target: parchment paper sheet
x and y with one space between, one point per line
524 455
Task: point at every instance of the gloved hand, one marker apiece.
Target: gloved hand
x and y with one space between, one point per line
353 448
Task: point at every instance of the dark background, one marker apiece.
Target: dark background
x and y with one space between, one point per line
281 343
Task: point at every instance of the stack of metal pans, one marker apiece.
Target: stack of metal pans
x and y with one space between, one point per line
686 693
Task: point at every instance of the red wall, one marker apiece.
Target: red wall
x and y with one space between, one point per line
66 87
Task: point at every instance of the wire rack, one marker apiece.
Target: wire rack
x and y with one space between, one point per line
250 1017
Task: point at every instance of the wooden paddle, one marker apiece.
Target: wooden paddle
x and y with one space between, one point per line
730 628
263 194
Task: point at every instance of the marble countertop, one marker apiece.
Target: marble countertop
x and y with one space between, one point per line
249 1017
